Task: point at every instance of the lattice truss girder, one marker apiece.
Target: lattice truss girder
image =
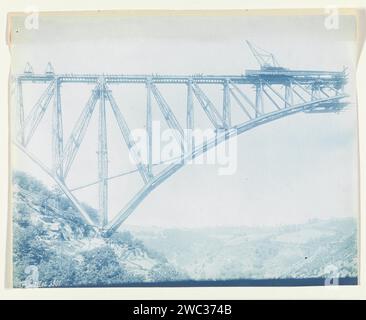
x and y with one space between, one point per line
272 97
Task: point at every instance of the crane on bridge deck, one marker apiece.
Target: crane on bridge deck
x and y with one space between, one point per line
265 59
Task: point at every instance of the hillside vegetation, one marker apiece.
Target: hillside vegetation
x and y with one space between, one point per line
49 235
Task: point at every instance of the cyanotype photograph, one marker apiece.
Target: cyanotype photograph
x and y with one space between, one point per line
187 149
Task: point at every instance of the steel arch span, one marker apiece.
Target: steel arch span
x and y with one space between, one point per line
276 93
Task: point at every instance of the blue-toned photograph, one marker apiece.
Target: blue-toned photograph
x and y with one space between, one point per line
184 150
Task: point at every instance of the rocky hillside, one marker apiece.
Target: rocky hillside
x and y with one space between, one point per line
51 239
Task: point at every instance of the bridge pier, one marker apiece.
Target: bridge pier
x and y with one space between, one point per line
315 91
226 105
289 97
259 99
103 156
57 132
190 117
20 110
148 127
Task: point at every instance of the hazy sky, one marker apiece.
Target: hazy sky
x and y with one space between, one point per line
289 171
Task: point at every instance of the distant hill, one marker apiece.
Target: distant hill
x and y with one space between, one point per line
311 250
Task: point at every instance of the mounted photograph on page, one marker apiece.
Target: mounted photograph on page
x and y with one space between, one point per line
205 148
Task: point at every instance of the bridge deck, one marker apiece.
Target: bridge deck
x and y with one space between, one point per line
250 77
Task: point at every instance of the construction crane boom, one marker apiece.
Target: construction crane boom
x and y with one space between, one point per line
265 59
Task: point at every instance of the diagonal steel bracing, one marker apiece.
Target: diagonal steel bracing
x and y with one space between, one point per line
236 98
78 133
36 114
273 97
245 97
169 116
126 133
80 209
212 113
142 194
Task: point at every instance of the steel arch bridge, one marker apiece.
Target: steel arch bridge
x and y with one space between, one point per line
276 93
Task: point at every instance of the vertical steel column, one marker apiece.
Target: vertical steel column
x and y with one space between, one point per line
315 91
149 127
57 132
227 107
190 118
103 156
289 97
258 99
20 110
